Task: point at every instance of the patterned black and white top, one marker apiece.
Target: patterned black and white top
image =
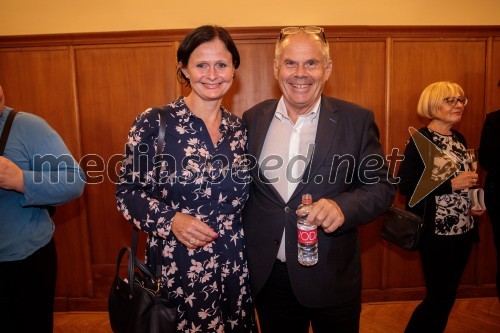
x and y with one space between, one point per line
453 209
210 285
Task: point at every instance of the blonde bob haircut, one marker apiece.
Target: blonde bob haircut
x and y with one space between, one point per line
433 97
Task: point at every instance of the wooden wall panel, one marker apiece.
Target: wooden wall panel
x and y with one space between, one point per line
115 84
416 64
90 87
40 81
361 79
359 74
254 81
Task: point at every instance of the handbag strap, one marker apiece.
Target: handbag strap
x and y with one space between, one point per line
159 149
3 142
6 131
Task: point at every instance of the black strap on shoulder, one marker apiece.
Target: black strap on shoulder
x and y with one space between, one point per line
161 133
135 231
6 130
159 150
3 143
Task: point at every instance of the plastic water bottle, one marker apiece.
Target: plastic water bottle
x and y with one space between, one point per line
307 234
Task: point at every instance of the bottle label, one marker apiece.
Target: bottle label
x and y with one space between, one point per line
307 236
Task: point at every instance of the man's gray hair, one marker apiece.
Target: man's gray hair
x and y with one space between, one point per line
325 46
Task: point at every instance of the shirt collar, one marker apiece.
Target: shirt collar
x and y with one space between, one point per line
282 113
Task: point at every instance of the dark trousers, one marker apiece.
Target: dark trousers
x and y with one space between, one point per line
279 311
27 290
492 200
443 261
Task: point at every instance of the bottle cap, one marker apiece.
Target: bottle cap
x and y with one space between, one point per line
307 199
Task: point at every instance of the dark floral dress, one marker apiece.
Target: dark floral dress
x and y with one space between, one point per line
209 285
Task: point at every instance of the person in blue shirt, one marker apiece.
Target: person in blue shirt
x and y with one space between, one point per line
36 170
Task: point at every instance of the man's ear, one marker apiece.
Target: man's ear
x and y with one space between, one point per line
328 69
276 68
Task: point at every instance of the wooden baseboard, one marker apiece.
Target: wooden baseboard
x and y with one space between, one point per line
414 294
80 304
69 304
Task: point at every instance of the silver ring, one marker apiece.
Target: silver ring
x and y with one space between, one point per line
192 241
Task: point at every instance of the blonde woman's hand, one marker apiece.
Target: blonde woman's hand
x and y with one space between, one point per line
464 180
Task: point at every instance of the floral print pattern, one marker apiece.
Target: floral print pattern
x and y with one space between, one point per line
452 210
210 182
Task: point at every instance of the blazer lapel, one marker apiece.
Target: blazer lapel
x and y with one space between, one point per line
261 130
258 143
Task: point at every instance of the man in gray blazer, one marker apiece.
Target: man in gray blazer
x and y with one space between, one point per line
306 142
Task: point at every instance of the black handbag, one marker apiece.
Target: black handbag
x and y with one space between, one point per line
402 228
143 305
139 303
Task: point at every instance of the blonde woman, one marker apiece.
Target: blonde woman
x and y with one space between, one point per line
449 226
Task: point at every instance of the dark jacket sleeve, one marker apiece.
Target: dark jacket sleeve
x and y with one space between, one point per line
489 148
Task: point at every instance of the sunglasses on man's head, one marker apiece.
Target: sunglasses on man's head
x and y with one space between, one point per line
308 29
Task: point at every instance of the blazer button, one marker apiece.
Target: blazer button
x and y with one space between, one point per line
276 242
288 210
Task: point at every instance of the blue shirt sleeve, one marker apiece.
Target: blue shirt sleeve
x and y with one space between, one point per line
51 174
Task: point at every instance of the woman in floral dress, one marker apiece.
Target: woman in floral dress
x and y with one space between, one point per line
195 208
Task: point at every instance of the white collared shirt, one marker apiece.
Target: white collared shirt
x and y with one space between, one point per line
287 149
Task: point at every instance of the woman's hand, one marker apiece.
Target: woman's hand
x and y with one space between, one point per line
192 232
464 180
